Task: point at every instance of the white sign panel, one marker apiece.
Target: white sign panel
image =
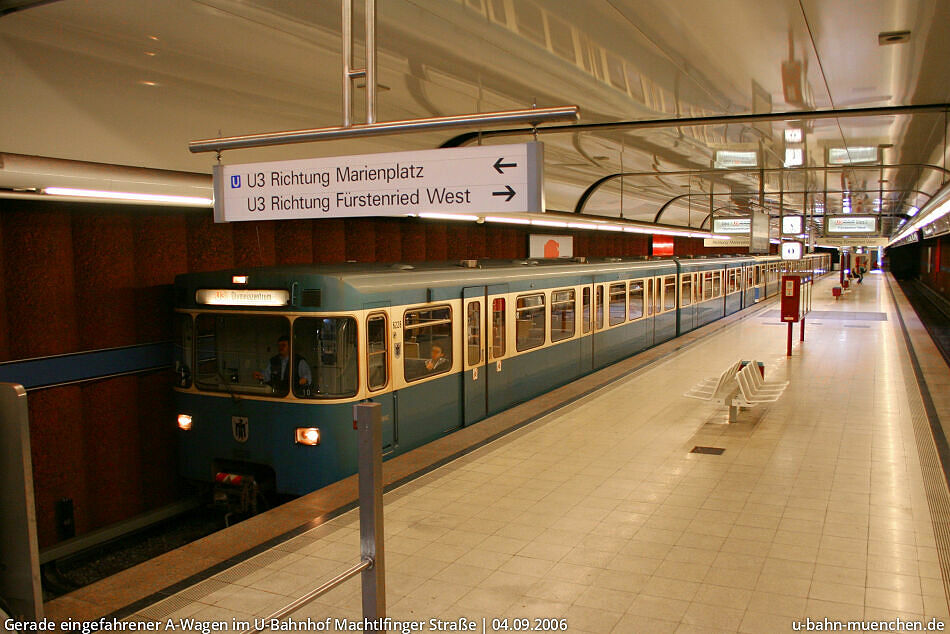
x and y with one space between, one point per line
791 225
791 250
546 246
730 158
732 225
488 178
848 224
852 242
730 242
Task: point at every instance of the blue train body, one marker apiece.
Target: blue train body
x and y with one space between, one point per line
506 332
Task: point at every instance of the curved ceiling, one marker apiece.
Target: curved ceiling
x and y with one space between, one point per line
130 83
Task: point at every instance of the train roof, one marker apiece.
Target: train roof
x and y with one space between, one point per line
348 284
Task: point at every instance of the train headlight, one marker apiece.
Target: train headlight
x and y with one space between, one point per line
184 422
307 436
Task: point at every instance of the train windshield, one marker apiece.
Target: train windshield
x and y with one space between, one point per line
328 346
183 349
246 354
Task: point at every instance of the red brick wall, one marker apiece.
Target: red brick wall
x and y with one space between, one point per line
82 277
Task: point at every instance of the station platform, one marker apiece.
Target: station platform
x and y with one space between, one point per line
828 504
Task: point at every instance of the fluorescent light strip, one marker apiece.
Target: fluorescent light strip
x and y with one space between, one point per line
438 216
129 196
610 228
511 221
548 223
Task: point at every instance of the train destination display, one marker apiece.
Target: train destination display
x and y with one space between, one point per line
493 178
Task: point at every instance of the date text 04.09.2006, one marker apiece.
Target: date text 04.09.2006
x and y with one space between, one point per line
528 625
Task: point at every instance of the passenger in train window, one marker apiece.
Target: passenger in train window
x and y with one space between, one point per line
437 362
277 371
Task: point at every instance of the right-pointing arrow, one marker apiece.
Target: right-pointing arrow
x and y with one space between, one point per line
509 192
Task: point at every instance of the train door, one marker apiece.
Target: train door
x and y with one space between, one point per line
587 329
379 369
650 308
475 352
497 395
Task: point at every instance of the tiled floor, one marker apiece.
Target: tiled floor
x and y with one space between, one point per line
599 513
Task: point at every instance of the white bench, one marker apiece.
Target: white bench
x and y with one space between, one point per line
712 387
739 386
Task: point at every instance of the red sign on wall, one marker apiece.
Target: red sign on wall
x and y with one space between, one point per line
662 245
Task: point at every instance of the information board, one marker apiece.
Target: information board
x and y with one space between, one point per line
480 179
847 224
732 225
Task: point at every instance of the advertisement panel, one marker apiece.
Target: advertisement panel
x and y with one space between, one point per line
548 246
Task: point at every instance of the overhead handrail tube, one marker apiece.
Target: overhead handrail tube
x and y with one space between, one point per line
316 592
530 116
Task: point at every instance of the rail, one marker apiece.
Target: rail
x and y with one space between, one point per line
368 421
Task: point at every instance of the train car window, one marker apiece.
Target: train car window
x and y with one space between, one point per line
562 40
648 298
585 308
530 21
249 354
184 349
529 322
562 314
657 295
498 11
427 341
707 285
618 304
669 292
717 284
327 348
599 307
686 291
474 333
498 328
636 299
377 365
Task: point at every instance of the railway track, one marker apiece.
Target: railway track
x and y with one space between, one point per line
934 313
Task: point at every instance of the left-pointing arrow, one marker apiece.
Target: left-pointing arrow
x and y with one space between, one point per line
499 165
509 192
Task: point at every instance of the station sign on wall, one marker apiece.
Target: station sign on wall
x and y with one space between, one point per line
732 225
479 179
847 224
548 246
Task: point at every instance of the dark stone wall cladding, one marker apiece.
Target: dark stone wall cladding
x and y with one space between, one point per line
83 277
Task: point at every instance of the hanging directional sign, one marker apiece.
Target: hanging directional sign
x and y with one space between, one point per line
471 180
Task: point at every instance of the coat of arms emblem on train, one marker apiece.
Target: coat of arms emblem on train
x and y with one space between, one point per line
239 428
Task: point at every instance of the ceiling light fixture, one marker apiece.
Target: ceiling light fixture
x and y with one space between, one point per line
190 201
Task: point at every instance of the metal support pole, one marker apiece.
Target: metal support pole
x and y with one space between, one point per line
347 62
20 583
370 429
370 61
788 350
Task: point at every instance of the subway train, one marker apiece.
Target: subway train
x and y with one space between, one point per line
270 361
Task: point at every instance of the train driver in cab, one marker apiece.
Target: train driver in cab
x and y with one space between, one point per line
437 362
277 371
